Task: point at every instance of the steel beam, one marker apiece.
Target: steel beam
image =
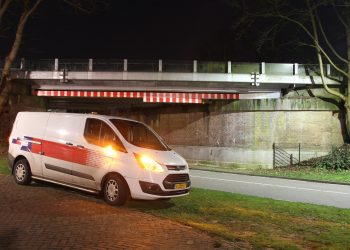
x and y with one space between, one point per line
173 77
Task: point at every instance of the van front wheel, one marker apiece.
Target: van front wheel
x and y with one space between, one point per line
22 173
115 190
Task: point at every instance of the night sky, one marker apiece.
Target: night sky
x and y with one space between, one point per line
139 29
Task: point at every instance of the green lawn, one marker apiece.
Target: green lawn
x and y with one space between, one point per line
306 173
3 165
264 223
309 173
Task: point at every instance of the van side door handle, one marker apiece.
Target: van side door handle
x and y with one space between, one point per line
69 143
80 146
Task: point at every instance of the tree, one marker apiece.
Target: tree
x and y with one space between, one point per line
311 22
29 7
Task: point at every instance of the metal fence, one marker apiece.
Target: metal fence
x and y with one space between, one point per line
291 154
284 157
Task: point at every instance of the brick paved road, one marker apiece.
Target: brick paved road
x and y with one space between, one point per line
51 217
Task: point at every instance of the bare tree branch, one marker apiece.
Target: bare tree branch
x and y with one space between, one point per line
327 41
28 10
301 25
319 56
4 4
85 6
327 57
341 19
303 15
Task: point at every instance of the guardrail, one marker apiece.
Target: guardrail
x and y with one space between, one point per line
125 65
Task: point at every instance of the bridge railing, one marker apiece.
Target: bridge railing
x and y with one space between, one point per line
108 65
118 65
37 65
142 65
177 66
212 67
73 65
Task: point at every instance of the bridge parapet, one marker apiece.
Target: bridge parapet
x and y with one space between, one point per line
125 65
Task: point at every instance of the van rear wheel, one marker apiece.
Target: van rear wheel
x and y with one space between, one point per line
115 190
22 173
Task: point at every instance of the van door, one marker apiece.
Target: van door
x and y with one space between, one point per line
58 149
27 133
102 147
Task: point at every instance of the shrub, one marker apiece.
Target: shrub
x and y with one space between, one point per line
337 159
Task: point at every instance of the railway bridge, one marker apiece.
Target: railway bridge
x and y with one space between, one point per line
213 111
162 81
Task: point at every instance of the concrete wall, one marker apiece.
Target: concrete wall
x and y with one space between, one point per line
212 133
247 137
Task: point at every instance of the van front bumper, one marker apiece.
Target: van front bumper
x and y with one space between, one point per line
155 189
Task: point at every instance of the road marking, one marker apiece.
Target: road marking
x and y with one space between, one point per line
271 185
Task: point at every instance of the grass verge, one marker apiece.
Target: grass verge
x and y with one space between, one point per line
303 173
264 223
3 165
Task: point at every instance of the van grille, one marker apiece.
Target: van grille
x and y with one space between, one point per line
172 179
176 167
177 178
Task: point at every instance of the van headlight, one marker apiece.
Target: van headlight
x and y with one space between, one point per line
109 151
148 163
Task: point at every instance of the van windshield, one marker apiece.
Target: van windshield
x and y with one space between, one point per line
139 135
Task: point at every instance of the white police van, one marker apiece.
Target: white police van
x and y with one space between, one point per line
95 153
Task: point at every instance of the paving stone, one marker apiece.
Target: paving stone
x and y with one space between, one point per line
42 216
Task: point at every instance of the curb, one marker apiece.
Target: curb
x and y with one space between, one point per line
276 177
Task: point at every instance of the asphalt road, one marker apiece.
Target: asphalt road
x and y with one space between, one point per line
275 188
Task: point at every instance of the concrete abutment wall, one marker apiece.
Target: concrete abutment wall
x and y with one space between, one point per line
243 137
240 132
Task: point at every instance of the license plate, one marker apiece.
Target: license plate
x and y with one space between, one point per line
180 185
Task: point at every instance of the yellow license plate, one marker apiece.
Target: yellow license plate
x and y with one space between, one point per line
180 186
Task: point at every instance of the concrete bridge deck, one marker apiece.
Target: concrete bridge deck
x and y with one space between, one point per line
189 82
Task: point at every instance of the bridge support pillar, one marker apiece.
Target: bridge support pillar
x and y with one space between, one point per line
90 64
125 65
262 68
56 64
328 69
295 69
23 64
195 66
160 66
229 67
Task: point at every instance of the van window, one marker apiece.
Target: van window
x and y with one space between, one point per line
139 135
99 133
